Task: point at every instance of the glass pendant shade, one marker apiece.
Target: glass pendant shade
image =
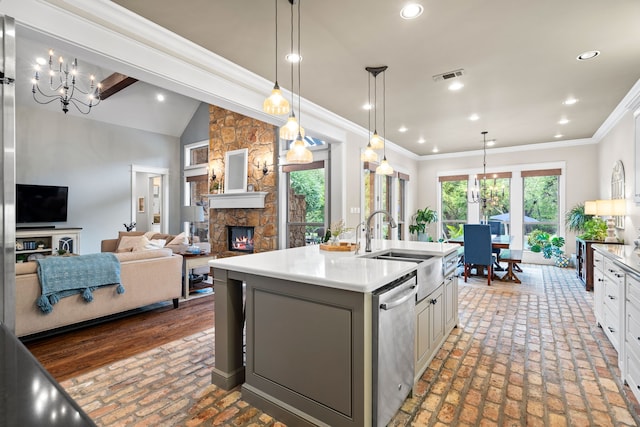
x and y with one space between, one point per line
298 153
376 142
276 103
369 155
384 168
291 129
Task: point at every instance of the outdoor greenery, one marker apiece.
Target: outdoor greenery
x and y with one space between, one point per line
541 203
455 230
454 201
594 229
311 184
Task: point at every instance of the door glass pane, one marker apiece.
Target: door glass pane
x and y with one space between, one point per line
541 196
306 207
498 194
454 207
385 203
198 191
369 192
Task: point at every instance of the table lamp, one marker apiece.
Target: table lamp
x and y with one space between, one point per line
611 208
192 214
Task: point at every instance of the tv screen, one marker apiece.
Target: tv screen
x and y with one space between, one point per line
41 203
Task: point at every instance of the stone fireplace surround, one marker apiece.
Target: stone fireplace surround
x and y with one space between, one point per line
233 131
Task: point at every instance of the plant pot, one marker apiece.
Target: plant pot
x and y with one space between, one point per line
423 237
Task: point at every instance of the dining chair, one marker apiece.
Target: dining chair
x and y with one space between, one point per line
497 229
477 249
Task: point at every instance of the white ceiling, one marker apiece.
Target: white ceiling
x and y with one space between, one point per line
135 106
519 60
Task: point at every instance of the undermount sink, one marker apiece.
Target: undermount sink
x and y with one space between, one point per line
399 256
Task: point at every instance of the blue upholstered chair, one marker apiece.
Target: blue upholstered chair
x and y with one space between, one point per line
477 249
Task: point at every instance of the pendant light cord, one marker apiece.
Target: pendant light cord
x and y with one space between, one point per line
384 112
369 111
299 80
276 55
291 53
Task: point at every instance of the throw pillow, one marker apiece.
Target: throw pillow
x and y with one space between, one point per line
146 244
128 243
180 239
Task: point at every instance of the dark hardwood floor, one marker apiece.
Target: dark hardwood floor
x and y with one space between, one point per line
72 353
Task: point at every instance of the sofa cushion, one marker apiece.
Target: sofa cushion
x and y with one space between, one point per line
180 239
129 243
145 244
139 255
30 267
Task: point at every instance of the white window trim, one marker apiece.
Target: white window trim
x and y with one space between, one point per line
187 151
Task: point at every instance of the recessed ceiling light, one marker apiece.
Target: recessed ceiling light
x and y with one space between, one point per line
474 117
367 106
411 11
563 121
293 58
559 135
160 97
588 55
421 141
569 101
435 149
40 60
491 142
456 85
402 129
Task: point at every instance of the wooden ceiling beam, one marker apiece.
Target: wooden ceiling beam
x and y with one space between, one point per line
114 84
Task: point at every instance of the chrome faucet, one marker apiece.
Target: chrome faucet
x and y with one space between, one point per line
367 235
358 231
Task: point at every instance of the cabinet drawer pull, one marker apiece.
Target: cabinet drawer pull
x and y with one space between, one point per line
611 329
600 280
611 270
638 338
434 301
619 275
611 297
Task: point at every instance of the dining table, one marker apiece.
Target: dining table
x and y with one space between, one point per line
497 241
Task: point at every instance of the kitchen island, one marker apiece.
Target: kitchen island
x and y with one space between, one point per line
310 357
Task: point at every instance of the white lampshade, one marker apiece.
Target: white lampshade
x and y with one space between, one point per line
590 207
384 168
611 207
298 153
276 103
369 155
291 129
377 143
193 213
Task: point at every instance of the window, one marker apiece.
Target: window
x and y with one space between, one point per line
306 203
196 154
196 184
454 204
498 193
401 201
541 197
386 192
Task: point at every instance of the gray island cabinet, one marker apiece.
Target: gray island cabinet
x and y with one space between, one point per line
309 357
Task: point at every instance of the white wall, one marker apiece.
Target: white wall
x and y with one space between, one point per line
618 144
94 159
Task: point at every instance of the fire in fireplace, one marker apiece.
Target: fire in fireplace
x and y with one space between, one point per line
240 238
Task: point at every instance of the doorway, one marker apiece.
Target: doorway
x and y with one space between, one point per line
150 198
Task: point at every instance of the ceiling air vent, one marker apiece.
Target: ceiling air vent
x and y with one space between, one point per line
448 75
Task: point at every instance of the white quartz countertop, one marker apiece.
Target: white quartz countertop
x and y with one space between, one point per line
627 255
341 270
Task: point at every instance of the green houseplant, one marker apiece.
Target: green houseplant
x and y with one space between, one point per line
420 220
594 229
576 218
549 245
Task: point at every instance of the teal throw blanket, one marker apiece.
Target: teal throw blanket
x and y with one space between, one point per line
64 276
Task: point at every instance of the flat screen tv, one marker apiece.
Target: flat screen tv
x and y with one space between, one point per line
41 203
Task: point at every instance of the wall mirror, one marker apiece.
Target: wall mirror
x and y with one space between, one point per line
235 170
617 189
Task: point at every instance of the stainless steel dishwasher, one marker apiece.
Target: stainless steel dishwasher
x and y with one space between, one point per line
393 346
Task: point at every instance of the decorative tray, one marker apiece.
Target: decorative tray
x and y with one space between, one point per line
342 247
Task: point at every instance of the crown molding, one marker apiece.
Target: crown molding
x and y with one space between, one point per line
630 102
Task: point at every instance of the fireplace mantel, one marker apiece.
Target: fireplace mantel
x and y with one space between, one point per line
247 199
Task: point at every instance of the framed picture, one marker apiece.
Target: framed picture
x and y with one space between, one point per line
141 204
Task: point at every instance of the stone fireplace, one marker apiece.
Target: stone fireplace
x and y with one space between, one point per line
240 238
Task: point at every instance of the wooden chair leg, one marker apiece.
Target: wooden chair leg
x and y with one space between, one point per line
489 274
466 272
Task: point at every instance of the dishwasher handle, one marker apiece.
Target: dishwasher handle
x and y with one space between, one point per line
401 300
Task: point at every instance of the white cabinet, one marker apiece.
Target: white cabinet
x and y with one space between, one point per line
598 287
436 316
46 241
631 366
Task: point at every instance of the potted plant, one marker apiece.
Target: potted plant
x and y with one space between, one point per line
594 229
576 218
215 186
420 221
549 245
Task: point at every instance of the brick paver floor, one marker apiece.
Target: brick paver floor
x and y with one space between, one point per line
523 355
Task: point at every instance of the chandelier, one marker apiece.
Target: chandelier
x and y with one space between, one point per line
291 129
63 86
483 192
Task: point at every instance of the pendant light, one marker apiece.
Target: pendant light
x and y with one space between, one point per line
369 155
384 168
298 152
376 141
291 129
276 103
